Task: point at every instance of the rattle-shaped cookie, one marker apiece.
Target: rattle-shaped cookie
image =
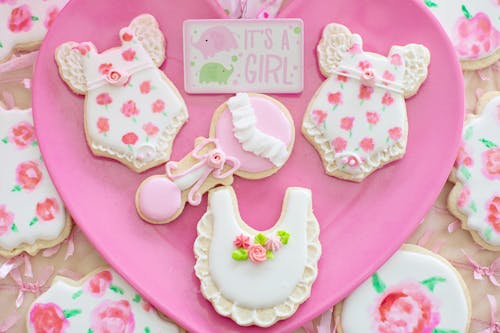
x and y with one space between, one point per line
132 110
251 135
357 119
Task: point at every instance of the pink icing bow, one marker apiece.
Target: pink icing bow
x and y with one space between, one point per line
250 8
35 287
494 325
481 271
214 161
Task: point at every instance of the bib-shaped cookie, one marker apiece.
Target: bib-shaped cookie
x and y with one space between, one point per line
132 110
475 199
101 302
25 23
257 278
416 291
32 215
473 27
357 119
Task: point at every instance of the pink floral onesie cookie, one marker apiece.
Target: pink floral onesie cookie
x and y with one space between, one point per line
357 119
132 110
24 23
475 199
32 215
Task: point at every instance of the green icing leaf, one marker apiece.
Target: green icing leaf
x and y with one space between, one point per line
116 289
240 254
432 282
269 254
487 233
466 12
439 330
16 188
284 236
90 331
33 221
71 313
137 298
465 172
430 3
77 294
297 29
147 330
378 284
260 239
13 227
35 143
473 207
1 45
5 140
34 18
488 143
468 132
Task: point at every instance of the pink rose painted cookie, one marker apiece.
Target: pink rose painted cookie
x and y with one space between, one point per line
101 302
473 27
132 110
32 215
357 119
25 23
251 135
257 278
416 291
475 199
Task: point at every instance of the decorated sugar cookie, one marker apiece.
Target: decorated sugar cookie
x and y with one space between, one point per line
473 27
475 199
25 23
257 278
132 110
416 291
32 215
357 119
251 135
100 302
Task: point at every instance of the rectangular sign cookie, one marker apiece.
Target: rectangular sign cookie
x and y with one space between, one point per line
227 56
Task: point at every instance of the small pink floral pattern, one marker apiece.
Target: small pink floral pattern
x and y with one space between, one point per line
145 87
339 144
28 175
367 144
49 317
150 129
47 210
103 125
103 99
130 138
242 241
335 98
372 117
128 55
463 197
476 36
20 19
395 133
112 316
346 123
491 163
99 283
129 109
493 209
365 92
50 17
22 134
319 116
257 253
6 220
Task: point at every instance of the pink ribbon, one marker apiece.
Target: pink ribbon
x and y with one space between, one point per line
19 62
250 8
214 160
9 322
494 325
70 249
483 271
35 287
13 263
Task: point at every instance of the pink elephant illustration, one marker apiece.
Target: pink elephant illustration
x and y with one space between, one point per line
214 40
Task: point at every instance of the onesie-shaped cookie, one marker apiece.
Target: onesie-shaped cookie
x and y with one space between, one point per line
475 199
357 119
132 110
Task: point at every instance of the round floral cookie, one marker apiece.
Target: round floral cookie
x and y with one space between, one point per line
475 199
473 27
32 215
257 277
100 302
416 291
25 23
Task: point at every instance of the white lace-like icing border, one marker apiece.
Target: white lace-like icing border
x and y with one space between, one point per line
264 317
371 164
251 138
164 141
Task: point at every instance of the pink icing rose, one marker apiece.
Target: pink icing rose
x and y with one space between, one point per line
130 138
48 317
47 210
396 60
51 15
339 144
387 99
463 197
99 283
28 175
103 125
388 76
476 36
367 145
372 118
273 243
128 55
395 133
105 68
463 157
22 134
319 116
145 87
112 316
491 163
346 123
365 92
150 129
20 19
103 99
493 209
363 65
117 77
242 241
257 253
335 98
342 78
158 106
6 220
408 307
129 109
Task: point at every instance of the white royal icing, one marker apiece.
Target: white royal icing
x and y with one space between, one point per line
478 169
25 185
251 138
25 22
76 307
450 300
260 293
